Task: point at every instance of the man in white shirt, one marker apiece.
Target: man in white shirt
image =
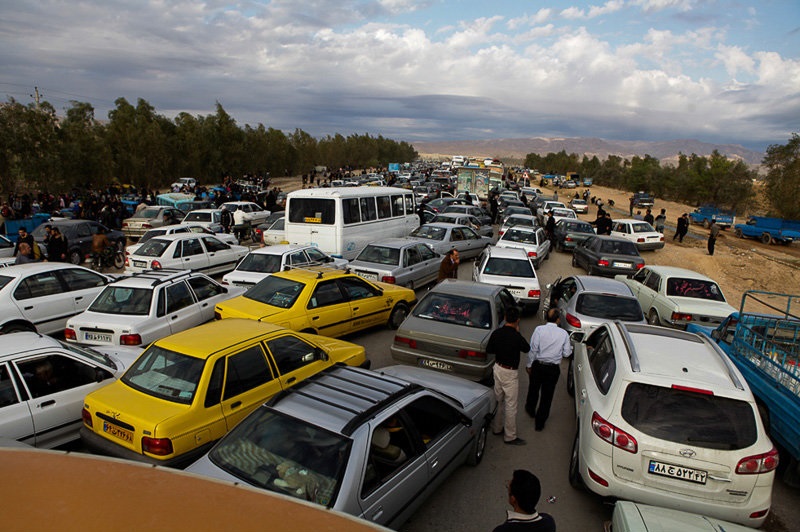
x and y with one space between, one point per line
549 344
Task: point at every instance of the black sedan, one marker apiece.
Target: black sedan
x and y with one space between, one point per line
79 237
606 255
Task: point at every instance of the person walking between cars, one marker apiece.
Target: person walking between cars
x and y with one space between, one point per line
505 344
648 217
448 268
682 228
524 492
712 236
226 219
57 247
661 221
549 344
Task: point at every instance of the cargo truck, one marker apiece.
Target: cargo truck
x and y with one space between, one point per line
769 230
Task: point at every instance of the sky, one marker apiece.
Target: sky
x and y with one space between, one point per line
721 71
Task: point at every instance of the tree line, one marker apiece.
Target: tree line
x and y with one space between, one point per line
40 151
695 180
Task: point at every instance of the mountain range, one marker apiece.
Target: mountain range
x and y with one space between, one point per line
666 151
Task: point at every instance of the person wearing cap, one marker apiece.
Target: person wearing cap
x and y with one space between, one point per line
524 491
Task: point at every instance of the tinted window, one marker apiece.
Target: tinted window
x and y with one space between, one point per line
312 210
81 279
275 291
689 418
384 207
153 248
212 244
204 287
694 288
619 247
247 369
601 360
368 211
459 310
652 281
260 263
8 396
178 296
380 255
429 232
350 212
609 307
355 288
40 285
509 267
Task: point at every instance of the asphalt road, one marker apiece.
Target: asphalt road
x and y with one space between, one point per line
474 498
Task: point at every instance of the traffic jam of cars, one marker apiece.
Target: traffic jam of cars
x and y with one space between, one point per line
245 363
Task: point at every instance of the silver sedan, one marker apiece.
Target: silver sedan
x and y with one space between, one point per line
398 261
443 237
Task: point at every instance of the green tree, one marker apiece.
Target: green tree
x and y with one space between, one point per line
84 154
783 178
28 146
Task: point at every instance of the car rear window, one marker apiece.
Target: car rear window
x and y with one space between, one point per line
275 291
517 235
459 310
154 247
429 232
695 288
123 300
618 247
609 307
4 280
509 268
689 418
165 374
260 263
380 255
577 227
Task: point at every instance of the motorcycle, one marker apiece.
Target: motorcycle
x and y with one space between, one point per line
108 258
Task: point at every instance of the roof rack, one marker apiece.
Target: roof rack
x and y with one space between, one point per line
170 274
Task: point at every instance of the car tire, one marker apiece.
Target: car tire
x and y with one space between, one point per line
478 445
75 257
398 315
574 261
121 245
652 317
738 233
575 479
119 260
570 380
766 239
16 327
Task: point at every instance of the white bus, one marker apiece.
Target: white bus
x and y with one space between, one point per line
341 221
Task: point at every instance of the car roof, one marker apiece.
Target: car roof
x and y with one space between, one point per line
443 225
182 236
151 278
205 340
508 253
11 344
281 249
395 243
674 271
593 283
18 270
203 211
309 273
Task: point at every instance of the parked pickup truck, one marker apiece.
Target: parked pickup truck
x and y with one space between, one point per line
763 340
769 230
643 199
705 213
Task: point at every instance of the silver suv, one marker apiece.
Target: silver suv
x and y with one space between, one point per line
665 418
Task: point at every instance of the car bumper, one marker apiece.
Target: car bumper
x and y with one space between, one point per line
610 271
649 246
471 371
101 445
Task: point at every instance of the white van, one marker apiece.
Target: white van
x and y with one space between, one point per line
342 221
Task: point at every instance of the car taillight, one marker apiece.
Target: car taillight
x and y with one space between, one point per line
662 238
534 293
532 254
759 514
87 418
124 225
408 341
469 353
155 265
597 478
758 463
69 334
500 233
640 240
130 339
681 316
388 279
613 435
640 266
691 389
602 262
147 226
567 239
127 262
157 446
573 321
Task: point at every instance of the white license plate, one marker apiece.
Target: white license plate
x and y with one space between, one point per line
622 265
368 275
435 364
140 264
95 337
681 473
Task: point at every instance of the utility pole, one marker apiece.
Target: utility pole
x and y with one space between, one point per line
36 97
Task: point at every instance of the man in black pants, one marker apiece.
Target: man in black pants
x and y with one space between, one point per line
549 344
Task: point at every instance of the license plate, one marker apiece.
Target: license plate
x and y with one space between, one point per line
118 432
435 364
95 337
622 264
368 275
140 264
681 473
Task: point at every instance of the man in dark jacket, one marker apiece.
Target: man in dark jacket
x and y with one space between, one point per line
524 492
57 246
683 227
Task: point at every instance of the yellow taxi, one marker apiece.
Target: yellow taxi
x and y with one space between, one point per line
188 389
321 300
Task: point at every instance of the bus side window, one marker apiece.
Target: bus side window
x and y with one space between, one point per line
397 206
368 211
350 212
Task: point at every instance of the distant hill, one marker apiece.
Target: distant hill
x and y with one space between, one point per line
667 151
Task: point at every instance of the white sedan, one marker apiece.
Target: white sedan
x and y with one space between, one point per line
183 227
186 251
140 309
531 239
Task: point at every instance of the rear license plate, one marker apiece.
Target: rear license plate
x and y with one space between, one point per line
435 364
95 337
118 432
140 264
681 473
622 265
368 275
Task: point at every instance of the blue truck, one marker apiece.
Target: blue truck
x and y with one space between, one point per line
705 213
769 230
763 341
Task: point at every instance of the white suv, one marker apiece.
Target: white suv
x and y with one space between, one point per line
511 268
665 418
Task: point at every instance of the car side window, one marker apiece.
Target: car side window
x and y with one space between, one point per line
432 418
601 360
8 395
214 391
81 279
469 234
354 288
192 247
178 297
653 281
204 288
425 252
85 230
247 369
391 447
568 289
55 373
212 244
315 255
640 276
298 257
412 256
39 285
326 293
291 353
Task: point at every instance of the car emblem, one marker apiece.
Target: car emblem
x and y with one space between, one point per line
687 453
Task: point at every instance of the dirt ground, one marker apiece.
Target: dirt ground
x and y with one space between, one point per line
737 265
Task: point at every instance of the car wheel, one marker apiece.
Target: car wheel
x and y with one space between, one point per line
570 380
75 257
574 262
575 479
121 245
119 260
478 445
766 239
16 327
398 315
652 317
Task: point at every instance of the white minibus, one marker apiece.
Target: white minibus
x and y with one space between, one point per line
341 221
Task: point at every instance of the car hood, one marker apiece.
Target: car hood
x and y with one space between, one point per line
122 355
459 389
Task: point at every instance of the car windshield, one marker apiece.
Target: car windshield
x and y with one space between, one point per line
123 300
152 248
459 310
284 454
694 288
578 227
429 233
689 418
519 235
260 263
380 255
564 213
643 227
275 291
147 213
506 267
619 247
4 280
609 307
165 374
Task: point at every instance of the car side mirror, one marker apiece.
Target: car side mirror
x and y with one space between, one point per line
465 420
320 354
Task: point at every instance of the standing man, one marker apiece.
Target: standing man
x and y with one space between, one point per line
549 344
712 236
661 221
421 212
648 217
505 344
226 219
448 268
524 491
682 228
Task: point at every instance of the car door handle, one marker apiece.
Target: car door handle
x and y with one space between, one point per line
78 298
435 463
378 513
237 404
175 317
290 380
51 402
355 309
205 305
314 318
28 308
